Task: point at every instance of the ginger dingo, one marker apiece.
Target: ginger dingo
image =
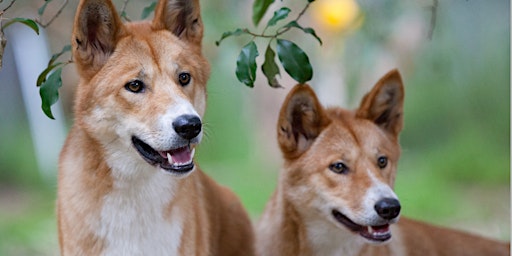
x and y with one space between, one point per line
335 193
128 184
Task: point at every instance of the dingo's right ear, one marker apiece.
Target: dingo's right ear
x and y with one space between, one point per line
96 30
301 120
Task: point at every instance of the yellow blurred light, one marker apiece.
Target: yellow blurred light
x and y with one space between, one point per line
336 14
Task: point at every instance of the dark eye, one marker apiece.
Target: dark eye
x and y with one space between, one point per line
339 168
382 162
184 79
135 86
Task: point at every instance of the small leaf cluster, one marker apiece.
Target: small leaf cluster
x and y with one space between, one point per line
49 81
292 58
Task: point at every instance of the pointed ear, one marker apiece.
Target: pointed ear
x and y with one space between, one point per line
384 104
97 29
301 120
182 18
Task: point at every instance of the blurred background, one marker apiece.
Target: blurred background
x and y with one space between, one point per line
454 57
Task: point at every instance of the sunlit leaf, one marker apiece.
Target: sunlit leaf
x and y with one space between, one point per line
270 68
49 92
295 62
259 9
246 64
278 15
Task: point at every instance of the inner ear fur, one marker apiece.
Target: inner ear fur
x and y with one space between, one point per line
182 18
383 105
301 120
97 29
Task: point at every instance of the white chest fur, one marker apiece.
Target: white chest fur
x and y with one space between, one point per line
135 219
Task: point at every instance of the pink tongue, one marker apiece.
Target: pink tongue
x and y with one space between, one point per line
383 228
180 155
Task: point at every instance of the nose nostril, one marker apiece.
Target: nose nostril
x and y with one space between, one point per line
187 126
388 208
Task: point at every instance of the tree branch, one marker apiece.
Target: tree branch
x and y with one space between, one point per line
433 19
61 8
123 10
7 8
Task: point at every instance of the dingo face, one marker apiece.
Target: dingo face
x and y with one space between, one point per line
143 88
340 165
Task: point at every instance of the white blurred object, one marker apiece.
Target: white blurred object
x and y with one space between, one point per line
31 56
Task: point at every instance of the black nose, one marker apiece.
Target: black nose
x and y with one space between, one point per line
187 126
388 208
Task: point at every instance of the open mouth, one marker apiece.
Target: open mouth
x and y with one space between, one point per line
373 233
177 160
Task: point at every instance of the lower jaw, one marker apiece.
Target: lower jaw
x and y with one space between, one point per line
177 169
376 239
363 231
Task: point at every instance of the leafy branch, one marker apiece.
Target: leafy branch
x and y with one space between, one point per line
293 59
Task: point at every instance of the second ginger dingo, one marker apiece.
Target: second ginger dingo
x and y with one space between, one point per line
335 192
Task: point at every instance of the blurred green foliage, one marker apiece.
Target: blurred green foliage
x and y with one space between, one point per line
456 141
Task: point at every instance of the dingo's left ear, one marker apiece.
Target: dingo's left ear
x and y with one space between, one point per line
384 103
182 18
301 120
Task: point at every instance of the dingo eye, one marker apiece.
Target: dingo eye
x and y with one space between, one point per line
382 162
339 168
184 79
135 86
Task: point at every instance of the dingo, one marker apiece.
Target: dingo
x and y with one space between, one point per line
128 184
335 193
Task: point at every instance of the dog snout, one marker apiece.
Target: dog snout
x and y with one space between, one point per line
187 126
388 208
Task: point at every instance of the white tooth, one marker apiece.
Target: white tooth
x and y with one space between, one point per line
192 154
169 158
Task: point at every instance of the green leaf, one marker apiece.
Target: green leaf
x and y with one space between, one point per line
49 92
246 64
278 15
270 68
225 35
148 10
294 24
28 22
40 11
42 77
259 9
65 49
294 60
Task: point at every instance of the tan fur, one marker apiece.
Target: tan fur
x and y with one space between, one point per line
299 218
99 167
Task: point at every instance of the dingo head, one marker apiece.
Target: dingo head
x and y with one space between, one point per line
143 84
340 165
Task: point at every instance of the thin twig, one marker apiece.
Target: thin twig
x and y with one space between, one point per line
433 19
278 33
123 10
7 8
64 3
